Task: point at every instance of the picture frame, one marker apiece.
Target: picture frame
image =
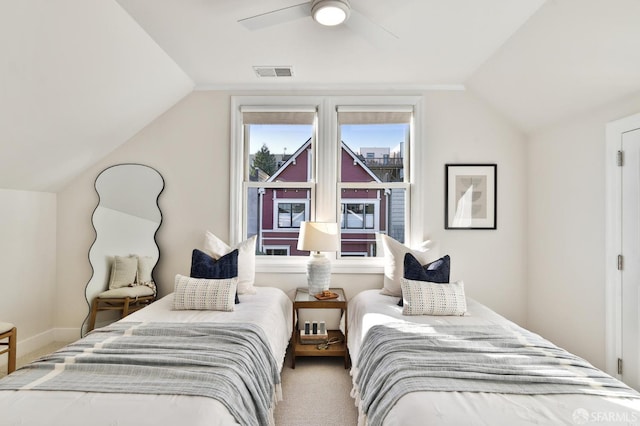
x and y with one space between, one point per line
471 197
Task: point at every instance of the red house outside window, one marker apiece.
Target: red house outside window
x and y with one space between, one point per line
281 180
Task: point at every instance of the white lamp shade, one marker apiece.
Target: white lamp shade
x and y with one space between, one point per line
318 236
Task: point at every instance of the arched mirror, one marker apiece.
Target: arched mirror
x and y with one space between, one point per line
126 220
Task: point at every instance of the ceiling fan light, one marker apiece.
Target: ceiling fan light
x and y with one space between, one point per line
330 12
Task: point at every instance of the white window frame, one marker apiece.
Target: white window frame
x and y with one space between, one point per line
325 205
355 254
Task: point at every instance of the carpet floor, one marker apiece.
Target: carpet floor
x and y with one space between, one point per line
316 393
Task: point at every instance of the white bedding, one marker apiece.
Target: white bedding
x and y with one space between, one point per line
370 308
269 308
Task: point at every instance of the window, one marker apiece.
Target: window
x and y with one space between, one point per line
276 250
277 176
333 159
291 215
372 182
359 215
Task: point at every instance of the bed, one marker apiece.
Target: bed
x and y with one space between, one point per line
259 325
403 379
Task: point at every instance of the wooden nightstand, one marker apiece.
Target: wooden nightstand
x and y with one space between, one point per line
303 300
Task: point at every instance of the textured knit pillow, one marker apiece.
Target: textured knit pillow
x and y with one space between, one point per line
216 248
394 252
204 294
205 266
124 270
435 272
424 298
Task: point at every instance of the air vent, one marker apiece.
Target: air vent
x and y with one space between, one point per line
280 71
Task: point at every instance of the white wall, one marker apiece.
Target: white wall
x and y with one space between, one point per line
492 264
28 264
189 146
566 281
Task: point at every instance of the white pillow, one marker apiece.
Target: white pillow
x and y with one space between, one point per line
204 294
217 248
394 252
427 298
124 271
145 267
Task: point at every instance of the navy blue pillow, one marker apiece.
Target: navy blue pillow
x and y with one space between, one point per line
434 272
205 266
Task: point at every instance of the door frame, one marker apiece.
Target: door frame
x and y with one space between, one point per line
613 241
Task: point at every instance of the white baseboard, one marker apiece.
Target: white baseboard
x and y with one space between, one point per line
34 343
66 334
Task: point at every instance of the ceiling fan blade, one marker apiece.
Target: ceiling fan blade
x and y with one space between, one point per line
373 32
276 17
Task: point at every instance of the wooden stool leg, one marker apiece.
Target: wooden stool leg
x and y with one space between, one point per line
94 312
13 337
125 308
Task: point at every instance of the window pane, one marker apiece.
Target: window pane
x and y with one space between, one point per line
355 216
275 215
373 153
297 214
284 215
369 214
253 218
276 251
279 146
373 145
366 212
396 208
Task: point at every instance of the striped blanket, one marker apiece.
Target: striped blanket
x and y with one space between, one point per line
400 358
229 362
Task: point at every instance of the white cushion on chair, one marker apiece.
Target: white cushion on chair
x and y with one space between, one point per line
137 291
5 326
145 267
124 270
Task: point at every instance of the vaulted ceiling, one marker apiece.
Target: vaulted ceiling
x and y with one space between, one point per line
77 79
80 77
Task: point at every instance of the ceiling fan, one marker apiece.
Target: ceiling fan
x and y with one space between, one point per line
325 12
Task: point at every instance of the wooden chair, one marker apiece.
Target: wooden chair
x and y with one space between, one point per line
8 331
125 300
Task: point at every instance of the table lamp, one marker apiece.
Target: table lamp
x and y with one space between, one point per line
318 237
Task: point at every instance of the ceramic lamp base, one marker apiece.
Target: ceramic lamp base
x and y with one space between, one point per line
318 273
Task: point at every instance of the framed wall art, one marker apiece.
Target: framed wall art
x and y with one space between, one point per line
470 196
